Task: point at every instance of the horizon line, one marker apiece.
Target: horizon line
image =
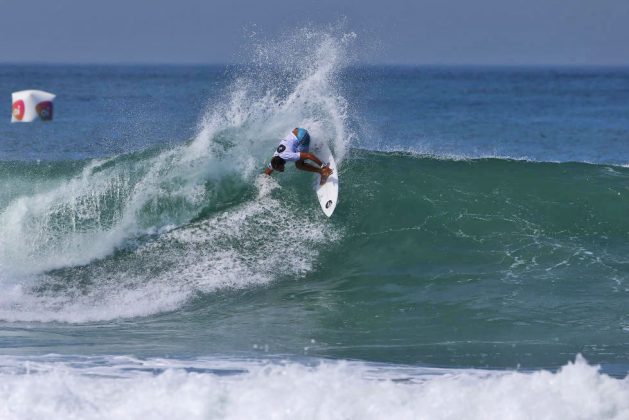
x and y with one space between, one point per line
365 64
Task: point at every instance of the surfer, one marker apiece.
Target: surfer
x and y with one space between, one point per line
294 148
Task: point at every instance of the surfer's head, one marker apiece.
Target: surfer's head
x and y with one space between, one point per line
277 163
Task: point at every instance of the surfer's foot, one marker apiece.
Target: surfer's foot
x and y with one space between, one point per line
325 173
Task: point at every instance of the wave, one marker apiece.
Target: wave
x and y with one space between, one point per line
106 243
124 387
141 233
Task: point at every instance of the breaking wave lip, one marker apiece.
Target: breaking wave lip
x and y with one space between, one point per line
230 388
449 156
470 157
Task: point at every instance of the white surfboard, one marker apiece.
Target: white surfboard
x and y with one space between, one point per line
327 193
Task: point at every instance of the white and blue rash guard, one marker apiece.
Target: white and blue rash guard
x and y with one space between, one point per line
291 146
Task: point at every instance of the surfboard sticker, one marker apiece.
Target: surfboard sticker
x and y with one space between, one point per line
327 194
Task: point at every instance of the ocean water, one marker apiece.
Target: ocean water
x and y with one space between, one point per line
477 264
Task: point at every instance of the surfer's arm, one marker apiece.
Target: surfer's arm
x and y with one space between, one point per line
268 171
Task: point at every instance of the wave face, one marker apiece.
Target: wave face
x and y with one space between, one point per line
457 254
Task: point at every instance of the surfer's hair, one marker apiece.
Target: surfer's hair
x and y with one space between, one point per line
276 162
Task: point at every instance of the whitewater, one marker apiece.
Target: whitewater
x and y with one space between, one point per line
128 388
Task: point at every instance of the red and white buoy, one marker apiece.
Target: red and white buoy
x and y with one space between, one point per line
29 105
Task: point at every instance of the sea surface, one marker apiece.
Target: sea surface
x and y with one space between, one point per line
476 266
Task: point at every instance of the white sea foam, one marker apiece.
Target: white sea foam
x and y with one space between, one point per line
229 250
127 388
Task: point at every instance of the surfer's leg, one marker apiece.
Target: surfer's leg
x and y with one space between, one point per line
300 164
324 171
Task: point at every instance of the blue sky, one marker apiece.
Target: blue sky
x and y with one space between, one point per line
512 32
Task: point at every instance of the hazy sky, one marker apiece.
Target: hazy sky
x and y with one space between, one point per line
396 31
